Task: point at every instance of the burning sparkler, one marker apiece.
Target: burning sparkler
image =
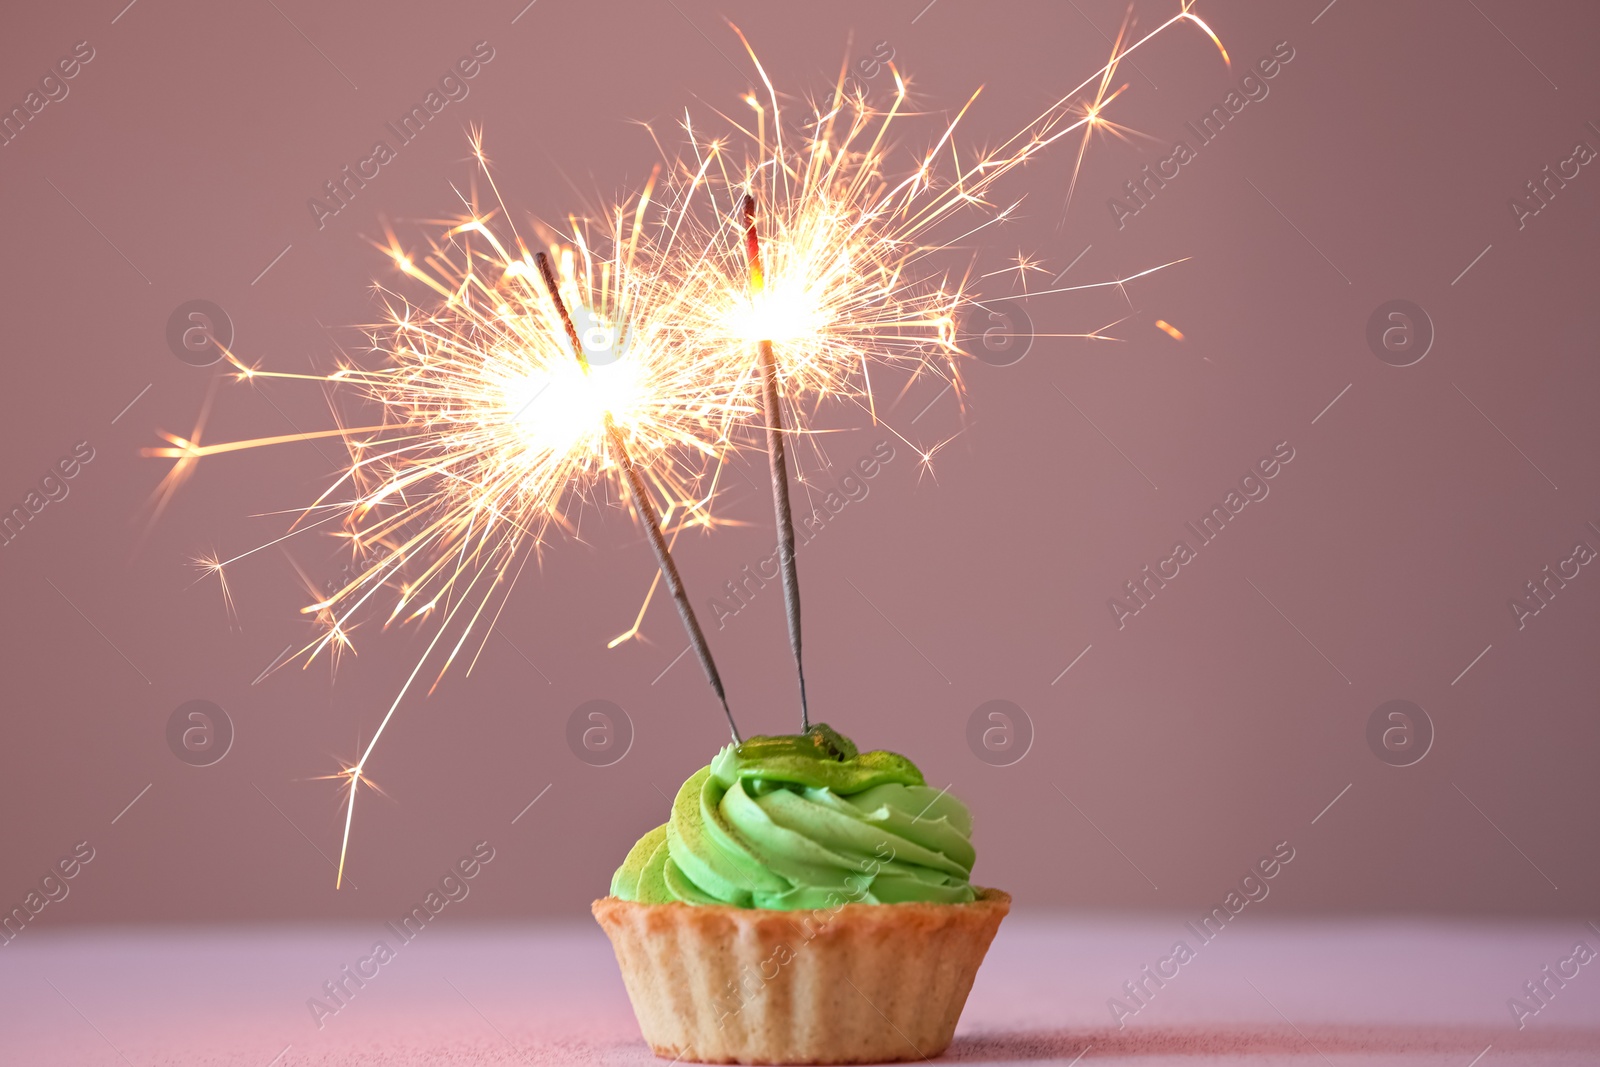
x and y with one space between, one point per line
772 410
853 275
530 386
850 275
640 494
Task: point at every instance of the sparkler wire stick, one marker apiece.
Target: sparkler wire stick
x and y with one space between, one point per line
777 462
645 507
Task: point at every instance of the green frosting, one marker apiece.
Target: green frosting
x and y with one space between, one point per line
804 821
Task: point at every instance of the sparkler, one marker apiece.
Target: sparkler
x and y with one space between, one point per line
846 279
644 506
778 466
500 420
524 391
853 261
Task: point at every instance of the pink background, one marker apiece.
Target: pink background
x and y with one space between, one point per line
1190 741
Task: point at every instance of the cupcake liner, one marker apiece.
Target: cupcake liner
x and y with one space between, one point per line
861 983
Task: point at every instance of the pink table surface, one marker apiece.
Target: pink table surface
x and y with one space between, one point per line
1273 992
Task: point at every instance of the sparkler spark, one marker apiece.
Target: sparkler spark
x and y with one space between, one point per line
210 563
497 424
857 235
632 353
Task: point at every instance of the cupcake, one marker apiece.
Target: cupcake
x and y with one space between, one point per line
805 903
